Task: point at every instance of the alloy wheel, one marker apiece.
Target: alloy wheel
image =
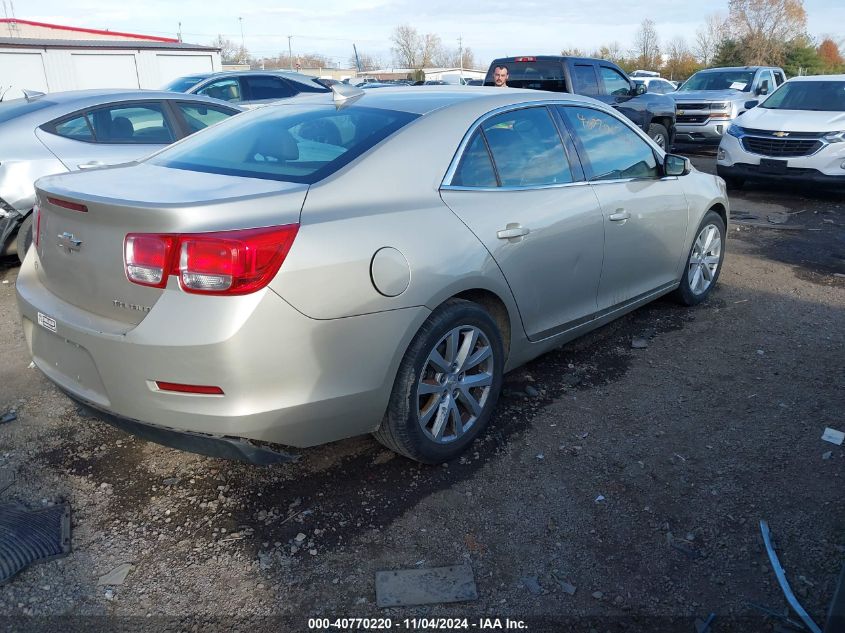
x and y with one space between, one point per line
704 259
454 384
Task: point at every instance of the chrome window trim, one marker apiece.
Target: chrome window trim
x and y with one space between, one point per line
446 183
514 187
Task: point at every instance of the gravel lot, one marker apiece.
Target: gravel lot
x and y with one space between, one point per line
638 476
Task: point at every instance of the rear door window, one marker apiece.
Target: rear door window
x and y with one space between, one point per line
612 150
584 76
261 87
228 89
527 149
614 83
137 123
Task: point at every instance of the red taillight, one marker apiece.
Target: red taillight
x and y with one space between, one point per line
67 204
525 59
37 236
180 388
147 259
227 262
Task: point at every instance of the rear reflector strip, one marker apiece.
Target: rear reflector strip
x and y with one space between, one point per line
66 204
180 388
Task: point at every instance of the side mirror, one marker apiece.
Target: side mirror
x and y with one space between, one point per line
639 89
674 165
751 104
763 88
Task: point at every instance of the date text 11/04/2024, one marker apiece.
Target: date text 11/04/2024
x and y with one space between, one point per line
416 624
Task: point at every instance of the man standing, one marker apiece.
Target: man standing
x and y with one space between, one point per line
500 76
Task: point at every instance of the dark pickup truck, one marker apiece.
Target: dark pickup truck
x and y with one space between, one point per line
597 78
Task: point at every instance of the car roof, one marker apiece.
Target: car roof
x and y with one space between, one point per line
819 78
62 103
72 96
723 68
249 73
549 58
425 99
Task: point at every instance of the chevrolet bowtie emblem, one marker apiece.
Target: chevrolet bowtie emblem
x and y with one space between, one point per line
781 134
68 241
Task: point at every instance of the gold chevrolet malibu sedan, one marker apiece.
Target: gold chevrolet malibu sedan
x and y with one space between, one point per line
356 263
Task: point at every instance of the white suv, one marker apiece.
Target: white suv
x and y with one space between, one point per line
797 135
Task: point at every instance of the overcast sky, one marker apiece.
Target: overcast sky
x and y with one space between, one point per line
491 28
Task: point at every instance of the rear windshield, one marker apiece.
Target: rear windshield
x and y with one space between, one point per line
183 84
290 143
18 107
726 80
537 75
821 96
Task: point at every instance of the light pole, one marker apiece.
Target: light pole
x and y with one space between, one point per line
290 53
461 52
243 48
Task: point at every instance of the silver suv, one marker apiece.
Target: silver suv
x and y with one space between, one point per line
709 101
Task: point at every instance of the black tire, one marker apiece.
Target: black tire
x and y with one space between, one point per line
659 135
685 294
24 238
401 430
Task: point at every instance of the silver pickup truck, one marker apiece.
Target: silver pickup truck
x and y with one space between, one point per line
709 101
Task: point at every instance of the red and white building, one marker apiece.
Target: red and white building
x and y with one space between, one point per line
51 57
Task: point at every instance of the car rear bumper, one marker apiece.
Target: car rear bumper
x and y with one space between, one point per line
236 449
286 378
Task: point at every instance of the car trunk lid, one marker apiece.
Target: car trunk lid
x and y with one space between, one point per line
85 218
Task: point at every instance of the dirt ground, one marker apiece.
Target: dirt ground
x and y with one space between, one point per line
638 476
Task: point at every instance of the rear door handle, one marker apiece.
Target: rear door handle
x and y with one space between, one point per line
91 165
620 216
513 230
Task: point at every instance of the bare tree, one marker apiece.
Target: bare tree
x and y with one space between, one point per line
230 53
646 50
611 52
766 27
680 62
368 62
407 46
306 60
432 50
453 58
709 36
412 50
573 52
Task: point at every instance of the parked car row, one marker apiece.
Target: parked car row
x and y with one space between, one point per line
306 302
